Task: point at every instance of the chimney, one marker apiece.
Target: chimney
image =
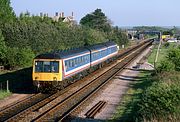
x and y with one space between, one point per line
62 14
41 14
72 14
56 14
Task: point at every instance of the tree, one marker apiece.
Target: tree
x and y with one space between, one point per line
168 33
91 36
117 36
6 12
96 20
3 48
16 57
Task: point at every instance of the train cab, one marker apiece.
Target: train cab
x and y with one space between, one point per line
46 71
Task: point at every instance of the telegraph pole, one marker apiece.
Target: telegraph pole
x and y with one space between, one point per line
157 53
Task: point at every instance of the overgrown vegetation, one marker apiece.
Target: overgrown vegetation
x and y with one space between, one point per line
28 35
161 101
154 96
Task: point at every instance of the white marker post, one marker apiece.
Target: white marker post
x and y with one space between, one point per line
7 84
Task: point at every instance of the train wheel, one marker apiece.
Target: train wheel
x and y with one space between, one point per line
60 86
65 84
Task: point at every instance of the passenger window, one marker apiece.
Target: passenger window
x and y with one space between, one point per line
70 63
83 59
73 63
66 63
79 60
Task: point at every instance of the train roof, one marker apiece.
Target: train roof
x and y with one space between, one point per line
62 54
73 52
109 43
96 47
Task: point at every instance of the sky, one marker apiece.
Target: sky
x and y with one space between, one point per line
120 12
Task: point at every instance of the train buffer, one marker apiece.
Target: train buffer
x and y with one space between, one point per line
95 109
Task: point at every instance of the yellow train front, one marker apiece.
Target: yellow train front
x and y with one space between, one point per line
46 73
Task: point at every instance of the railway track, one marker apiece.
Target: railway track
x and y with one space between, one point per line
15 103
56 107
16 108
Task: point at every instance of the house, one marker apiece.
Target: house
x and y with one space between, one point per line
61 17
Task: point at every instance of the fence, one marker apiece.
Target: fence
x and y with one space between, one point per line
4 85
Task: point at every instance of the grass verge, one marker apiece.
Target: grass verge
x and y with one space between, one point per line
126 111
4 94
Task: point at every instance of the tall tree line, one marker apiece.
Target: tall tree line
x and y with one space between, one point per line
23 37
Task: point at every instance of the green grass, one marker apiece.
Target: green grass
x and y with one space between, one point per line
162 54
4 94
126 111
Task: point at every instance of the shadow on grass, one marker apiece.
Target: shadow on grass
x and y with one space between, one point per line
80 119
136 69
128 105
19 81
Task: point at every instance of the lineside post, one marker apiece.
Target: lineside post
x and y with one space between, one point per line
157 54
7 84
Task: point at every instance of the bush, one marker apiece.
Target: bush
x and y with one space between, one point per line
167 44
166 65
161 100
174 57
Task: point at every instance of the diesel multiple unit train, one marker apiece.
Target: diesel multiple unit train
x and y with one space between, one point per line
56 68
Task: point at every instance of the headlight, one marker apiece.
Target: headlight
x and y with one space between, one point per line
54 78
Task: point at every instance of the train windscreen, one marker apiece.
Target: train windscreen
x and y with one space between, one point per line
47 66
